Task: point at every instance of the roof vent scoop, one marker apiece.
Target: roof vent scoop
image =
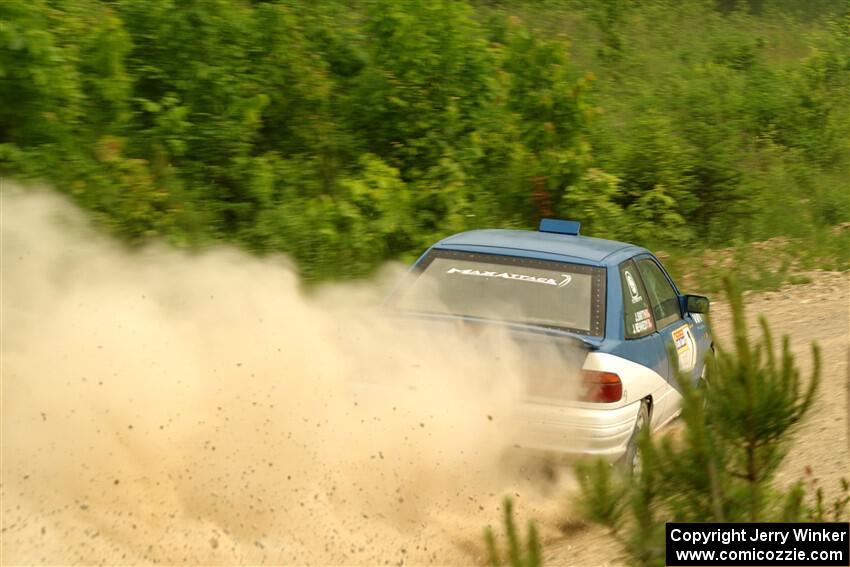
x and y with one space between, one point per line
559 226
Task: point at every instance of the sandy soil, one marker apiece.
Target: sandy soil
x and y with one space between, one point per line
817 311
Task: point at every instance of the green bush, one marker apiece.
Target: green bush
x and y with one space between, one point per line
347 136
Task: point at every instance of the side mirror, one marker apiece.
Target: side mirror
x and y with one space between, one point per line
696 304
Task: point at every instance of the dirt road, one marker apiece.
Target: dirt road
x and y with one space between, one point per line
817 311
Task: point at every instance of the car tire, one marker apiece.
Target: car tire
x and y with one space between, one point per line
630 462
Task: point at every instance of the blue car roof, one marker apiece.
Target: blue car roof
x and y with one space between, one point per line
542 245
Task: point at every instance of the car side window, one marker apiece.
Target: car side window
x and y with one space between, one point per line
638 318
662 296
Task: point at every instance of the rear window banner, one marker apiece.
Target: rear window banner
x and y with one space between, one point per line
564 278
546 293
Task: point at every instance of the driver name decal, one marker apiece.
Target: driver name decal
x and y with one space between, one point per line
643 322
565 278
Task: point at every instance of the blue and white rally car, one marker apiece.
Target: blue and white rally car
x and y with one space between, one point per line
615 299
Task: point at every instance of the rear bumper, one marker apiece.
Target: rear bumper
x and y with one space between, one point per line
569 432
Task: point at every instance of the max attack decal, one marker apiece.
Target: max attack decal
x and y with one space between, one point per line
565 278
685 348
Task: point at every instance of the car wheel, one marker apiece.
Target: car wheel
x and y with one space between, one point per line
631 463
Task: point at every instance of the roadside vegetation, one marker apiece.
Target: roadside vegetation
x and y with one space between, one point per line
346 137
763 265
518 551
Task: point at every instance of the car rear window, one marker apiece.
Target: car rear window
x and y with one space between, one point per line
537 292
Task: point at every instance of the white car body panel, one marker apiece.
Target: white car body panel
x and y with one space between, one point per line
572 428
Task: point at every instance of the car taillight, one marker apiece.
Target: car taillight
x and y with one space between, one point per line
603 387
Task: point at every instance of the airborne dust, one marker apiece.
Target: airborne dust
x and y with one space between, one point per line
173 408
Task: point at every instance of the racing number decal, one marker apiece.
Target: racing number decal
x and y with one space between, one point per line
686 348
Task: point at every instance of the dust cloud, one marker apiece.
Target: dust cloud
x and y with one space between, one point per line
166 407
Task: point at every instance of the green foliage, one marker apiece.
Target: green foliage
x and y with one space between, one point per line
343 139
428 81
347 136
734 124
518 553
737 430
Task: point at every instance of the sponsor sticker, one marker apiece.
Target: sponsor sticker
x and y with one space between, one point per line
686 349
565 278
633 289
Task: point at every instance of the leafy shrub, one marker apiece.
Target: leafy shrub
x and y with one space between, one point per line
319 130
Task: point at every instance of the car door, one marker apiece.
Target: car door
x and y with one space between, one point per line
643 344
676 329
